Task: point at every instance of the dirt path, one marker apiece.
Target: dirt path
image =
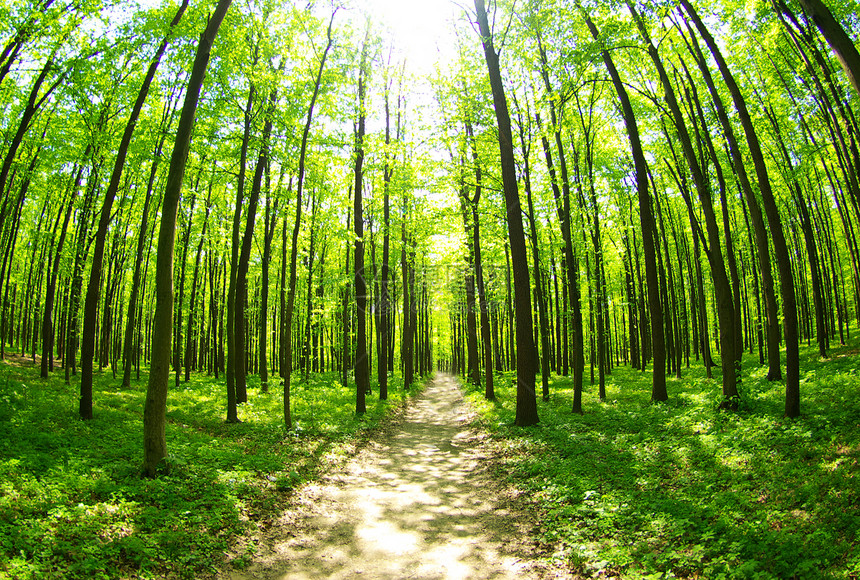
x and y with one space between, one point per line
421 505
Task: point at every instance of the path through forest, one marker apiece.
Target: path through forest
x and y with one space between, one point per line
421 504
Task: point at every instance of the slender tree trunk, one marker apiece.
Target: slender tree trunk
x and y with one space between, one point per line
781 253
722 287
233 293
408 298
362 372
473 371
526 410
271 219
92 296
247 240
81 248
183 263
155 408
291 292
841 44
489 390
193 298
384 298
53 272
143 235
539 290
646 220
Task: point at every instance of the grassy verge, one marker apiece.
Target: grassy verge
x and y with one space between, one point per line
681 490
72 504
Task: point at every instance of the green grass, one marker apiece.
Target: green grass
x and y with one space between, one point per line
682 490
73 504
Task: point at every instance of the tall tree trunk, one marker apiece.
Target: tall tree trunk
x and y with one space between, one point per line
646 221
761 242
193 298
473 371
384 298
571 260
92 297
489 390
780 248
247 240
183 263
271 220
841 44
722 287
53 271
362 372
155 407
81 249
233 294
526 410
525 145
408 299
143 235
291 292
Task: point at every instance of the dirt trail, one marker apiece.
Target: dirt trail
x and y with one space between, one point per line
419 505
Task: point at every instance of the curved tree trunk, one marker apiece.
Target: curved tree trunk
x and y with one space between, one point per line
646 221
92 297
842 45
287 367
235 360
155 407
53 270
362 371
780 248
193 298
526 411
245 254
722 287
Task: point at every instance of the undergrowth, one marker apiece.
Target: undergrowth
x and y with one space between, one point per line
681 489
73 504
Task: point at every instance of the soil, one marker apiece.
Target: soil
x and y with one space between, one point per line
421 503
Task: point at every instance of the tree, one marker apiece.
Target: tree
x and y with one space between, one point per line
646 222
526 413
287 364
842 45
362 370
780 247
91 301
155 408
713 251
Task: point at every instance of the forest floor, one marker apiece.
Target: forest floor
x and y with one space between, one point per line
420 502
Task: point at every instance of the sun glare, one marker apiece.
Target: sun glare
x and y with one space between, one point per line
422 32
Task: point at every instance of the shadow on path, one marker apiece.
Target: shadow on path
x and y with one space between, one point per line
418 505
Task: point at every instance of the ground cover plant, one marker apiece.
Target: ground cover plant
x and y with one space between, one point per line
73 504
682 490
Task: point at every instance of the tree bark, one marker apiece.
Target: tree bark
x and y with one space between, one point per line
362 372
646 221
53 271
291 292
839 41
713 250
526 408
780 248
489 388
92 296
155 407
247 240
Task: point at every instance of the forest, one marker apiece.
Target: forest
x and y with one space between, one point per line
238 238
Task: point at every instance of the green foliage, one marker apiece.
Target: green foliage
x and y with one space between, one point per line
682 489
73 504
